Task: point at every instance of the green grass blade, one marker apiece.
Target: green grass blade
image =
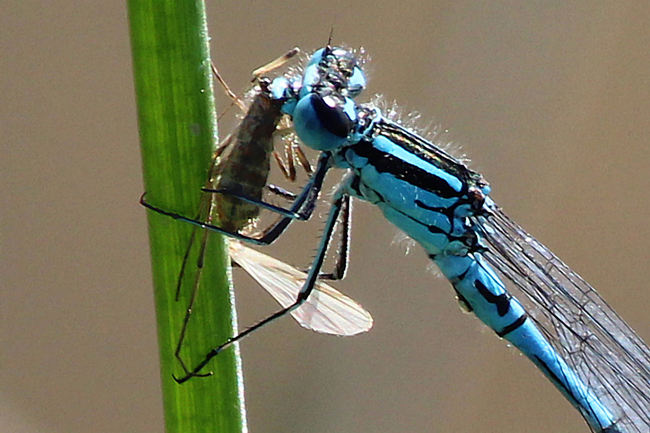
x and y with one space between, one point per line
178 133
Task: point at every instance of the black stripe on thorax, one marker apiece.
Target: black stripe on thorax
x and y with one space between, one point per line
385 162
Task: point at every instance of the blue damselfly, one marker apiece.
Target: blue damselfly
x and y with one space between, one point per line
547 311
511 282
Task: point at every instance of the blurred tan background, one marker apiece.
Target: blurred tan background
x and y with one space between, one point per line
550 99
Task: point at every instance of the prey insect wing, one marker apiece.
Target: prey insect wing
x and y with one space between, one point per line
327 310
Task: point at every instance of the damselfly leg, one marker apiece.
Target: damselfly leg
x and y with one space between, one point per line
340 205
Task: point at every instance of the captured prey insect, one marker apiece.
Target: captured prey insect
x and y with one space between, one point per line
241 164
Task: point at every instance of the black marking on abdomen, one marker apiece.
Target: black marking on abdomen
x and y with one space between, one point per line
514 325
457 279
542 365
501 301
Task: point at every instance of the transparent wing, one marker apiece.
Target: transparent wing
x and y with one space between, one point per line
602 349
326 310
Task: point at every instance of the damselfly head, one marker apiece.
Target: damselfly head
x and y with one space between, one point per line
334 68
